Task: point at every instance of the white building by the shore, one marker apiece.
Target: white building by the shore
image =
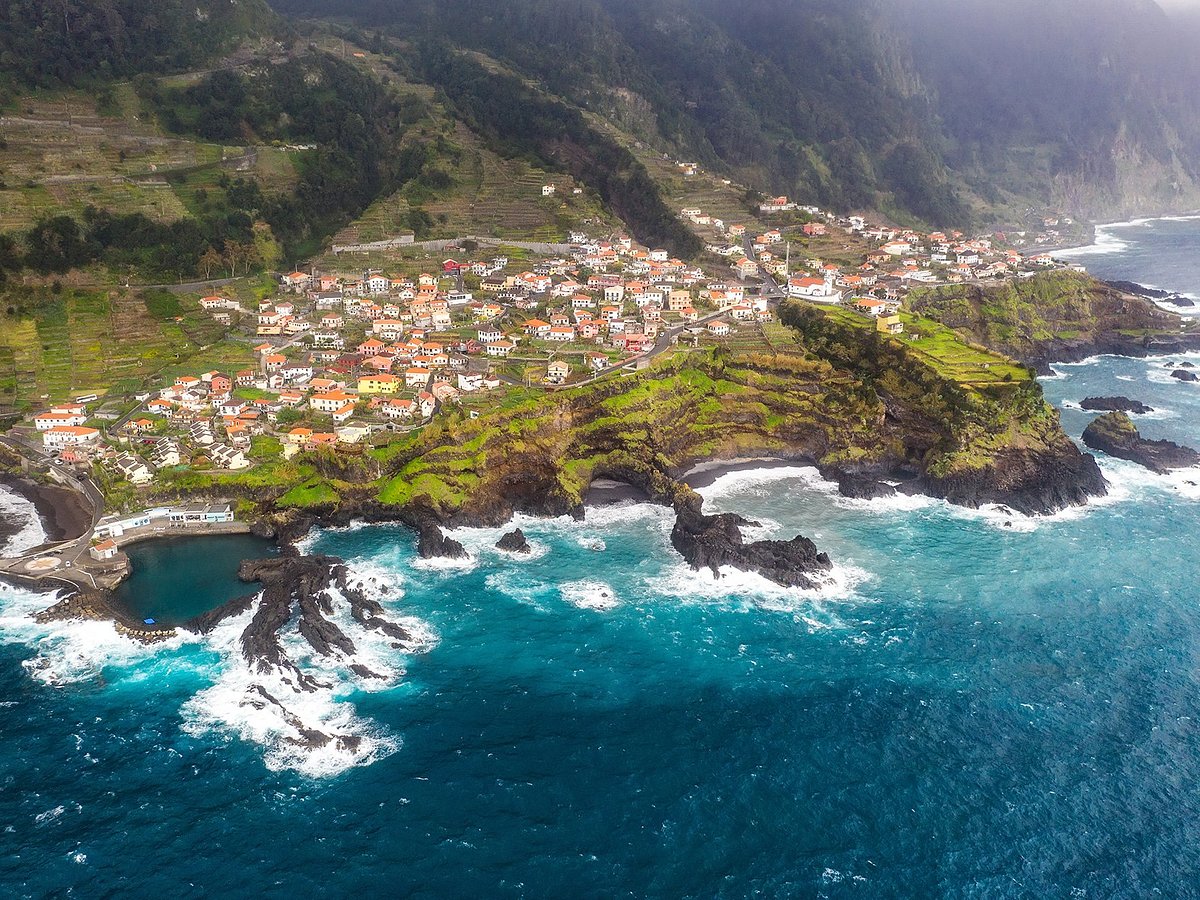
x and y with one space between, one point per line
115 526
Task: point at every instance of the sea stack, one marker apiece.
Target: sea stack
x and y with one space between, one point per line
514 542
1115 404
1117 436
709 542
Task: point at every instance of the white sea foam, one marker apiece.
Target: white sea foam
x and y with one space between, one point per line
1127 480
49 816
14 507
1158 412
65 652
749 590
519 587
447 566
624 514
480 543
237 705
589 594
896 504
758 482
1105 243
234 705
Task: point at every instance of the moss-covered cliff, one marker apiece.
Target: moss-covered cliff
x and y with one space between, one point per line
843 397
1059 315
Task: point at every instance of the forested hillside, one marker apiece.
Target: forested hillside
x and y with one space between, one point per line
940 112
68 42
947 111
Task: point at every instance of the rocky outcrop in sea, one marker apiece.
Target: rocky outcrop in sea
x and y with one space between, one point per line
1030 482
1115 404
514 542
1117 436
712 541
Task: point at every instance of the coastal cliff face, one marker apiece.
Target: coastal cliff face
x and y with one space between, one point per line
864 408
1055 317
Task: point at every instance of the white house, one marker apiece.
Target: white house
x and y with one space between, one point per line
817 290
228 457
69 436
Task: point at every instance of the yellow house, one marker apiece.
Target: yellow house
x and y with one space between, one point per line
890 324
378 384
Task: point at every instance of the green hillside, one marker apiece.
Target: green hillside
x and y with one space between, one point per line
1081 105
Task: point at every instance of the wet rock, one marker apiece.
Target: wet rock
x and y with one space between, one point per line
1117 436
1031 481
709 542
263 529
862 487
1184 374
514 542
1115 404
432 543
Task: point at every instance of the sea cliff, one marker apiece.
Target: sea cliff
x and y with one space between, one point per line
1057 317
870 413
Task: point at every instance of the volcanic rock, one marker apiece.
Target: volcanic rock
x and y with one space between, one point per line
1117 436
709 542
514 542
1115 404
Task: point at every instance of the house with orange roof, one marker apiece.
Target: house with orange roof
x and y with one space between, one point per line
69 436
331 401
103 550
499 348
378 384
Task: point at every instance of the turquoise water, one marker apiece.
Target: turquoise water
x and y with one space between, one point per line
969 710
156 590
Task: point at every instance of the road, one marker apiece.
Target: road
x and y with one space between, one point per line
67 551
770 288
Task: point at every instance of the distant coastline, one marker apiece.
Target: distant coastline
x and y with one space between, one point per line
1128 223
1152 264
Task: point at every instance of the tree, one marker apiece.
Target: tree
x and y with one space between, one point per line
209 260
237 255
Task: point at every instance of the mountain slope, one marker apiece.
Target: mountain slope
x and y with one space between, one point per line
943 110
65 42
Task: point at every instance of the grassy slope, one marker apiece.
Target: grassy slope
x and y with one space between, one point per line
1022 317
62 153
830 391
490 197
101 341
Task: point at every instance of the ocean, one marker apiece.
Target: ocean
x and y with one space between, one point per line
977 704
1156 253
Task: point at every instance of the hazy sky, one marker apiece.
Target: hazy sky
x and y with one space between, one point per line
1179 4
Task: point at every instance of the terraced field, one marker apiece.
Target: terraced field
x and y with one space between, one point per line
60 153
704 190
100 341
491 197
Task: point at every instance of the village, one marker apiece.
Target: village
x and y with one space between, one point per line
348 359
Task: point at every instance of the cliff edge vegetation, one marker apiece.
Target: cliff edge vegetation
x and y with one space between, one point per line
864 407
1064 316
